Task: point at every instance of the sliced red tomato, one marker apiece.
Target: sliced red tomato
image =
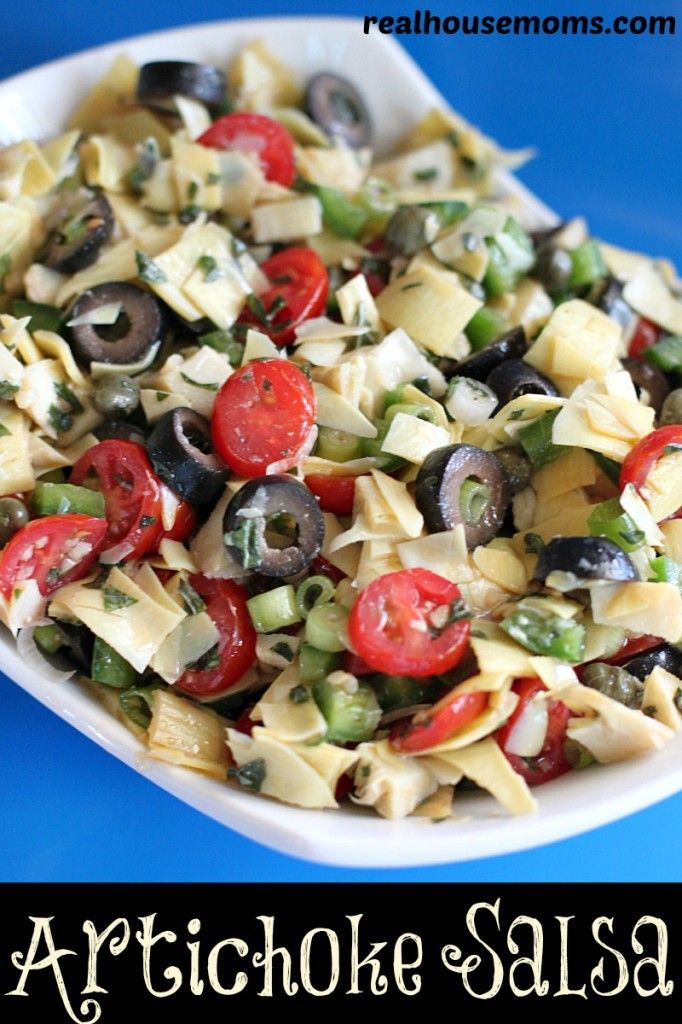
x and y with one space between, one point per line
356 665
642 458
52 550
264 414
299 285
245 723
132 495
255 133
551 762
185 522
645 334
336 493
236 648
409 623
446 718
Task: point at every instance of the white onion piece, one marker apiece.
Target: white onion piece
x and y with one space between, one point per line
119 553
527 737
102 315
470 402
393 716
29 653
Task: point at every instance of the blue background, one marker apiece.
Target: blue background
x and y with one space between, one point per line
605 115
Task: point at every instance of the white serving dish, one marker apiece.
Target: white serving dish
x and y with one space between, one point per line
36 104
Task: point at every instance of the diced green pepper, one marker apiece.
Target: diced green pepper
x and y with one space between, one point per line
352 716
394 692
666 354
536 440
58 499
546 634
326 627
341 215
609 520
666 570
588 265
485 325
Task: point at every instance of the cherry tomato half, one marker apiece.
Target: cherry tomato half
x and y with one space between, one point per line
551 762
645 334
336 493
52 550
226 605
264 414
641 459
409 623
132 494
254 133
185 522
440 723
298 290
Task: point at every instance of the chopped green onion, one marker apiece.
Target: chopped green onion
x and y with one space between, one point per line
326 627
314 591
666 570
587 265
50 499
666 354
274 609
474 498
43 317
419 411
352 714
314 664
337 445
485 325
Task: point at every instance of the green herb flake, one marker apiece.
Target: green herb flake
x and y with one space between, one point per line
251 775
188 214
146 521
208 265
283 650
193 603
114 600
192 190
5 267
248 539
212 386
148 270
67 396
60 421
4 432
213 178
670 449
161 396
409 287
299 694
365 771
426 174
149 156
207 661
516 414
16 593
650 711
8 390
53 575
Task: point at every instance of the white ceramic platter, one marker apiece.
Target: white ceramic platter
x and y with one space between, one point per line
36 104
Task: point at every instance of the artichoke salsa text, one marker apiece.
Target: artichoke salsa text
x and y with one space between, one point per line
332 474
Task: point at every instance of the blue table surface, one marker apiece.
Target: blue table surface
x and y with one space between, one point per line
605 115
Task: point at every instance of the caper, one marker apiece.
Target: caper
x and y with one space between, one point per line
552 267
615 682
671 411
13 515
410 229
116 396
516 468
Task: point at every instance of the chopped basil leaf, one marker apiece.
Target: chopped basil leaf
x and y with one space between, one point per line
4 432
161 396
212 178
53 575
59 420
516 414
148 158
115 599
8 390
146 521
248 539
534 543
148 270
193 603
208 265
192 190
67 396
207 661
427 174
413 284
213 386
283 650
188 214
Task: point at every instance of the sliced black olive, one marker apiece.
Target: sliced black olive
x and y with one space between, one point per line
552 267
514 378
544 235
338 108
586 559
610 300
274 524
76 242
667 656
78 644
163 79
648 378
120 430
181 452
480 365
462 484
139 326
